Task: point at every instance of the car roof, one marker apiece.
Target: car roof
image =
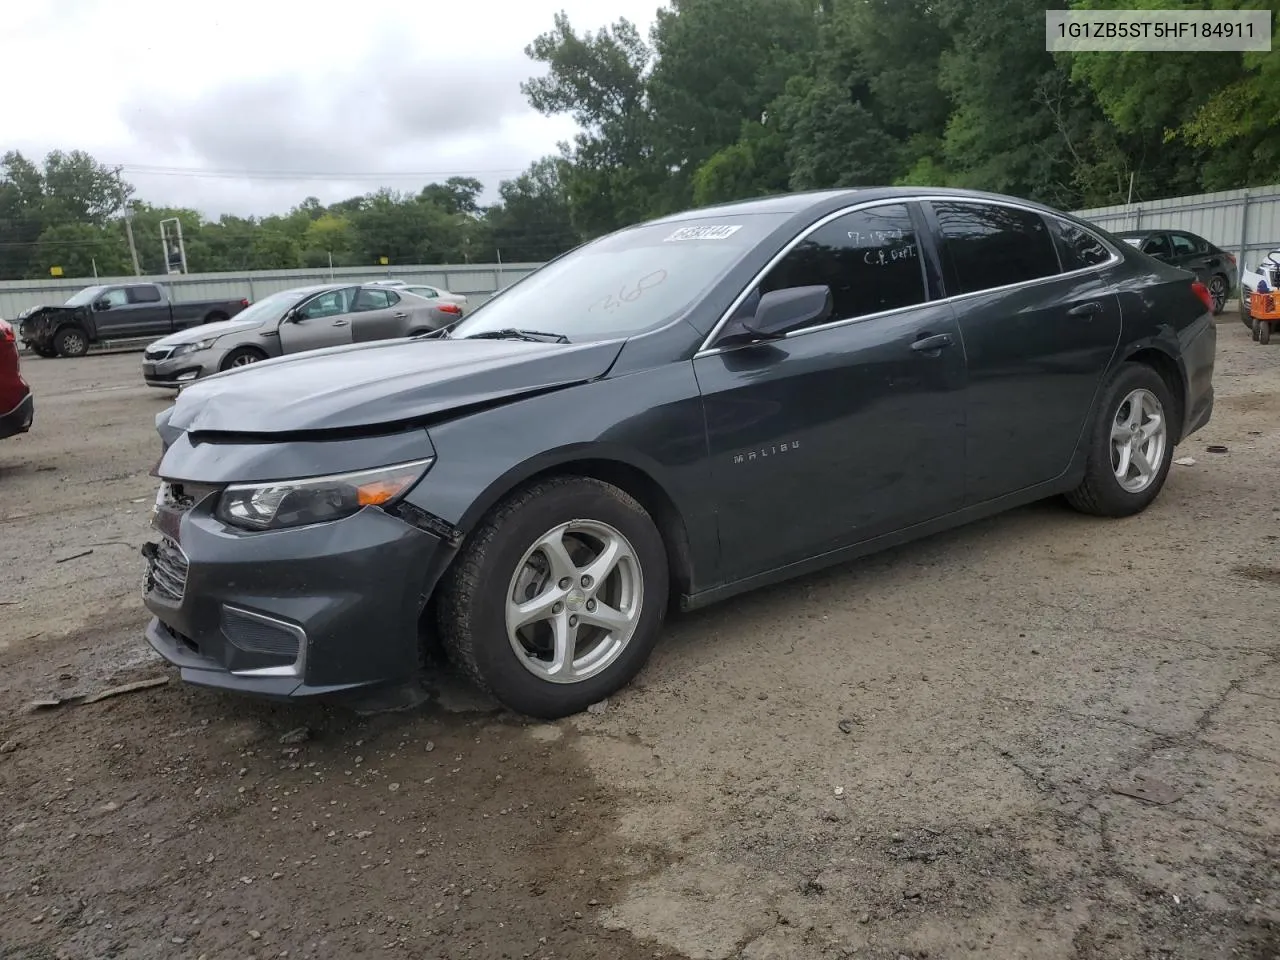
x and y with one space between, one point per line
1148 231
820 202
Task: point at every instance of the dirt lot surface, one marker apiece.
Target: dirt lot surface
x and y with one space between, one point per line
911 756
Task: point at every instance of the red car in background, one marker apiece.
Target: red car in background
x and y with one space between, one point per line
16 405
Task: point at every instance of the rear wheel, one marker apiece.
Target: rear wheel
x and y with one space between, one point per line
1130 446
557 598
242 357
1245 317
1264 332
1218 289
71 342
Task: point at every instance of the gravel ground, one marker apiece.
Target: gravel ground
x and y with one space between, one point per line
914 756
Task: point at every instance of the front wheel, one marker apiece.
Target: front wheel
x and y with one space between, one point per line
71 342
556 600
1130 446
242 357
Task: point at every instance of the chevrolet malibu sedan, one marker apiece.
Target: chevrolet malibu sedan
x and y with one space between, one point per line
669 415
305 318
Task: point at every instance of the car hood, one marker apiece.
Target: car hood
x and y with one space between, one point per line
206 330
382 383
30 312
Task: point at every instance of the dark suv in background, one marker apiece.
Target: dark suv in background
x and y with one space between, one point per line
1213 266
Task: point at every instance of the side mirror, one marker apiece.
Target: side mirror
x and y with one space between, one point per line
292 315
102 303
781 311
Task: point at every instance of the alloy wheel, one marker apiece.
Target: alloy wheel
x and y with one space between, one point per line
1139 433
573 603
1218 292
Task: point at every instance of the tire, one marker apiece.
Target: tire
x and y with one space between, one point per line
71 342
241 357
1245 317
1255 326
47 352
1101 493
502 555
1219 287
1264 333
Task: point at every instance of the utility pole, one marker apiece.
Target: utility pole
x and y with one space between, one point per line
128 225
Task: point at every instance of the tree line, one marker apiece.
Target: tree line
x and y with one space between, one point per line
729 99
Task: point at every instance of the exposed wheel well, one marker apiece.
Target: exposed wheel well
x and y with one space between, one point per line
215 317
650 495
1164 365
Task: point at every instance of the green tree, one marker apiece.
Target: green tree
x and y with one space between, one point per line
613 176
533 221
720 63
80 249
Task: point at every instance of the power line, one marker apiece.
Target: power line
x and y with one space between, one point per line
153 170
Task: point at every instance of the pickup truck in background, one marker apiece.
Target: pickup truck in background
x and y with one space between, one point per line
120 311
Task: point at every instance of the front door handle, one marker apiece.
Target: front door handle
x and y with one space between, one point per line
341 323
1085 309
928 344
399 316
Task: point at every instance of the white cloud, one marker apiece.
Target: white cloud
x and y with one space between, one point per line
286 86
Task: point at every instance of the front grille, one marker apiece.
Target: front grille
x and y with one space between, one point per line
254 635
158 353
167 572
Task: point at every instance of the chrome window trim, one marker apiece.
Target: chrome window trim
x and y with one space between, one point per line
294 669
707 350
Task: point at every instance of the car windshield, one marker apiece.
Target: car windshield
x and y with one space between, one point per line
270 308
626 283
84 297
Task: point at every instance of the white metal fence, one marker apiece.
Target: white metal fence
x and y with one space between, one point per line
1245 222
478 281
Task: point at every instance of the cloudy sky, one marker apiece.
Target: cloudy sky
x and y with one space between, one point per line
322 98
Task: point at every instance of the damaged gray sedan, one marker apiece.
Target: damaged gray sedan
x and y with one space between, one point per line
291 321
674 413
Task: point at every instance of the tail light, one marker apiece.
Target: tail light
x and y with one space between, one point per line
6 332
450 307
244 301
1231 257
1201 291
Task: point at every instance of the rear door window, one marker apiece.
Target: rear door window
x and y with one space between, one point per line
147 294
988 245
1077 247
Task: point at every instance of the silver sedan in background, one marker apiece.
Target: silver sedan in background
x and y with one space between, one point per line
305 318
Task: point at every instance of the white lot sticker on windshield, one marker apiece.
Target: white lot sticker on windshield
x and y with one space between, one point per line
713 232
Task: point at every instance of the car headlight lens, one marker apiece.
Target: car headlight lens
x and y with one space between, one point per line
183 349
277 504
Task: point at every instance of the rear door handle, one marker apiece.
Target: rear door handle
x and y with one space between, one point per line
341 323
936 342
399 316
1085 309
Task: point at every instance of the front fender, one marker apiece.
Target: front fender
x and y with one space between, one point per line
650 422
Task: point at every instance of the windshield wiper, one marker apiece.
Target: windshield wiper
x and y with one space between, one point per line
535 336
